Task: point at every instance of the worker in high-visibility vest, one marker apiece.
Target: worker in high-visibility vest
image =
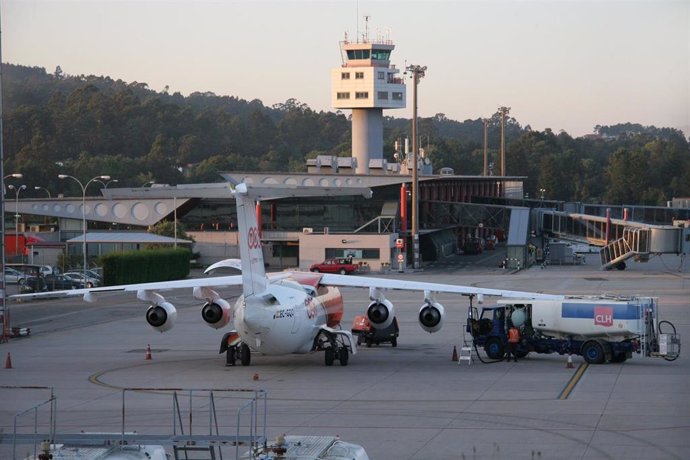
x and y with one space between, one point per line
513 340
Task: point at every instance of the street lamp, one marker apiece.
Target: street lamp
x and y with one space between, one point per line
417 73
83 209
105 184
43 188
16 216
14 176
541 192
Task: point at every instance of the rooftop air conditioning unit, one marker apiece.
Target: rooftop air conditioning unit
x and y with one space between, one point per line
307 230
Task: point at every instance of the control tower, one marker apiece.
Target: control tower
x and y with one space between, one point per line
367 83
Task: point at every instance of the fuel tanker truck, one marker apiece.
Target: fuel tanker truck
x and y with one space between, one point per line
601 329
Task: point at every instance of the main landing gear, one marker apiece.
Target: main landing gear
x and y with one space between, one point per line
334 347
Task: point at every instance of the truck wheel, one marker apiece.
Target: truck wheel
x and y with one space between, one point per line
329 356
394 342
343 356
619 357
494 348
359 339
593 352
343 271
245 355
521 353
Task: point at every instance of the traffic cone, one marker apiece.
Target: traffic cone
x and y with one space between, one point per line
8 361
256 376
148 352
569 365
455 353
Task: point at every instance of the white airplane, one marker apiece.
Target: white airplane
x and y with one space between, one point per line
286 312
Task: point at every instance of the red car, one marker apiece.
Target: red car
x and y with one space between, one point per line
342 266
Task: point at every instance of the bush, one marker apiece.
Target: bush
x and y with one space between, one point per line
145 266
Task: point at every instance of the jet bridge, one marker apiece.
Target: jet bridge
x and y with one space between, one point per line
619 240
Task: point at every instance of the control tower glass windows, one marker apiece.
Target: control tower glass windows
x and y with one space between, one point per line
362 95
380 55
358 54
359 75
345 75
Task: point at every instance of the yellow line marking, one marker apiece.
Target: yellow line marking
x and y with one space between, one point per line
573 381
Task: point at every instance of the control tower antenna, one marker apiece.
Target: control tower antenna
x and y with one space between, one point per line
365 38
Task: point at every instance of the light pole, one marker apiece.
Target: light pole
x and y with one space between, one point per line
14 176
541 192
417 73
44 189
83 210
16 217
503 111
108 182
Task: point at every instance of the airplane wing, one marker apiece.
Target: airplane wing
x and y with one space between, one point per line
395 284
215 281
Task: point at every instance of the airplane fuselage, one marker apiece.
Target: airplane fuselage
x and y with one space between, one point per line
288 316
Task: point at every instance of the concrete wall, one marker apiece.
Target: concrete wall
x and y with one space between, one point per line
312 247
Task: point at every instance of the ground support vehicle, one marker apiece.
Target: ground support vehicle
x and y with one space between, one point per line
370 335
600 329
344 266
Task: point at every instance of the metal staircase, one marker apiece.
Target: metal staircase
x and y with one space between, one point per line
633 243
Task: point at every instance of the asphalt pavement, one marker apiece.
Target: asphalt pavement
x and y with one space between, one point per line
407 402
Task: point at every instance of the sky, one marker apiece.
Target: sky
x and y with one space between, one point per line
564 65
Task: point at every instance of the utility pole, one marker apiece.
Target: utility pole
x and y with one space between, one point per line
486 141
503 111
417 73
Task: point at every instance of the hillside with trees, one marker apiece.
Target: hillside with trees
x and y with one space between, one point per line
87 125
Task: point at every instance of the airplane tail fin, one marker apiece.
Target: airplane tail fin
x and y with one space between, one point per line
254 279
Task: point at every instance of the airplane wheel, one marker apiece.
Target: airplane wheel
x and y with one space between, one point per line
245 355
344 356
394 342
329 355
230 356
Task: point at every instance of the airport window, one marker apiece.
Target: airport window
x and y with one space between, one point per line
397 96
380 55
365 253
359 75
382 75
383 95
358 54
345 75
343 95
362 95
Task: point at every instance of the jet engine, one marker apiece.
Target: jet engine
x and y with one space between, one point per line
380 313
431 316
217 313
162 316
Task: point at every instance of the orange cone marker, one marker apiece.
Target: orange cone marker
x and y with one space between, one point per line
8 361
148 352
455 353
256 376
569 365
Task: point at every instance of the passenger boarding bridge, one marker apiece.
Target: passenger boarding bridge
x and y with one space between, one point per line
619 239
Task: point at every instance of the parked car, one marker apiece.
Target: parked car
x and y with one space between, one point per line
79 277
344 266
13 276
33 284
62 283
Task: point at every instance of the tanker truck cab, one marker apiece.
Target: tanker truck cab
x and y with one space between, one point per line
601 329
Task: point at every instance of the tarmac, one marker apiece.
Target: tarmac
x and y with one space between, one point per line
408 402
